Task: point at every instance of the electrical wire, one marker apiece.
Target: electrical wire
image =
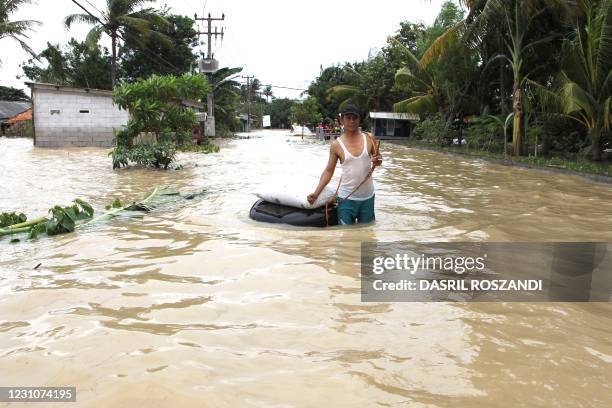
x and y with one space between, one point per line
146 52
97 9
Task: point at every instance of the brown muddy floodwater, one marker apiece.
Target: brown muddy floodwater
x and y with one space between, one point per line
198 305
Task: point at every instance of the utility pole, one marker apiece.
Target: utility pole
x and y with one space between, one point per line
209 66
248 78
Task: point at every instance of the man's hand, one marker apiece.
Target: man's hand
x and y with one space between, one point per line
312 198
376 160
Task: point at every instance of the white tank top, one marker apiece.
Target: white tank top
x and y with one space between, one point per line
354 170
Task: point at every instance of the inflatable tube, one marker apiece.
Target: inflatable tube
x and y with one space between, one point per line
281 214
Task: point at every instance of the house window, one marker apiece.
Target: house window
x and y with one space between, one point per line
84 111
54 111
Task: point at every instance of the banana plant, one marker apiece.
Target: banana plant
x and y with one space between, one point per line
504 124
582 90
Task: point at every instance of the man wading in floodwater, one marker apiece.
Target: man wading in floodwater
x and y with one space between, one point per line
358 155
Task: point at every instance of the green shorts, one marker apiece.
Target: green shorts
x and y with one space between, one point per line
355 211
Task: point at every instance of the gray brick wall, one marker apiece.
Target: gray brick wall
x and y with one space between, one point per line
71 127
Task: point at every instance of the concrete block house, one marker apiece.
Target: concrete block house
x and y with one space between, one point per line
66 116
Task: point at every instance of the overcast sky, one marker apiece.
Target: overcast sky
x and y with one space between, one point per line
281 42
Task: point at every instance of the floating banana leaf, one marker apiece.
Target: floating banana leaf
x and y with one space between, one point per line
22 227
160 196
67 219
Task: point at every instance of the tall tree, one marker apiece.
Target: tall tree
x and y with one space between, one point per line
280 112
410 35
74 64
440 80
329 77
583 89
8 93
154 57
56 70
226 92
268 92
305 112
365 84
15 30
121 19
518 20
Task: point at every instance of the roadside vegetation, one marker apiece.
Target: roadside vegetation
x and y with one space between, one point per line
159 121
528 78
145 41
518 78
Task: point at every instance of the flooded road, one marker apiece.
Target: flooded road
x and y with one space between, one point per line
198 305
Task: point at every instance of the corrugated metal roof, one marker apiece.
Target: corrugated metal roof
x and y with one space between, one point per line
394 115
27 115
8 109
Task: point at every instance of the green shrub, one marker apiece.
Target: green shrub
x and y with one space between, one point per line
206 147
120 155
433 130
564 135
536 135
21 129
485 134
143 154
164 153
155 109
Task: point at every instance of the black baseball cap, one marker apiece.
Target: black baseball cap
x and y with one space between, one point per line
350 109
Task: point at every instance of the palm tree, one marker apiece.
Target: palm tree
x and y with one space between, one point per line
431 88
583 89
15 30
418 79
441 80
268 92
353 91
121 18
226 92
362 84
516 20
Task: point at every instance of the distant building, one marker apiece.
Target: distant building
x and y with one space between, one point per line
10 109
20 117
392 125
244 121
66 116
19 125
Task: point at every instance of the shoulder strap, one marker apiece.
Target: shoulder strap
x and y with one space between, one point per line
365 144
373 140
344 149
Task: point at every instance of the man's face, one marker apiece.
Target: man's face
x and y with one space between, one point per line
350 122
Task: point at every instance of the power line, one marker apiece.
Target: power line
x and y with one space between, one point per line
209 32
283 87
237 49
287 87
153 57
97 9
144 50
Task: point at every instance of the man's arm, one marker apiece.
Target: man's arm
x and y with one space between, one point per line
327 174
